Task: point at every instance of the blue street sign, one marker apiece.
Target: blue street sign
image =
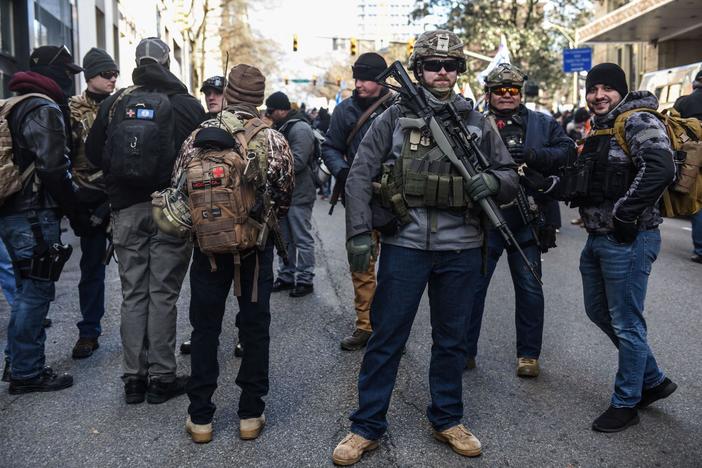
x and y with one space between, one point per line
577 60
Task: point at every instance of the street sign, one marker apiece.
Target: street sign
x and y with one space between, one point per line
577 60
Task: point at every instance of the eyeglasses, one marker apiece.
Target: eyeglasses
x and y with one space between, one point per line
437 65
108 75
502 90
62 50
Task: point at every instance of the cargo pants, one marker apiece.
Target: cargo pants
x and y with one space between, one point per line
364 284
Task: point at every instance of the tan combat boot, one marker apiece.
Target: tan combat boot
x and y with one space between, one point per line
461 440
251 428
351 449
199 433
527 367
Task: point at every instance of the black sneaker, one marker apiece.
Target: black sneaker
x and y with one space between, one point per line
185 347
280 285
134 390
159 391
696 258
660 391
302 289
238 350
47 323
616 419
6 371
47 381
357 340
84 348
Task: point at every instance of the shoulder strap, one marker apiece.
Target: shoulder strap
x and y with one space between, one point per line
252 127
288 125
365 116
620 122
121 96
9 103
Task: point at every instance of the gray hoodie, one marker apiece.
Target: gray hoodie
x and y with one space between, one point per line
383 144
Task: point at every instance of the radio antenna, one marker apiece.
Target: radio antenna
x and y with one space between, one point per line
224 75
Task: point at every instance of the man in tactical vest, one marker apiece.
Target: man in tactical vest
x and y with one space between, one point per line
296 227
101 73
438 243
213 89
349 123
30 218
618 193
210 289
533 217
134 140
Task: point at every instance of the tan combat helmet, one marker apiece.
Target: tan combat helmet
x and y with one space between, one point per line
439 43
505 74
171 212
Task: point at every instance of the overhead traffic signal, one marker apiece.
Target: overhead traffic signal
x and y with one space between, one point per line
294 42
354 46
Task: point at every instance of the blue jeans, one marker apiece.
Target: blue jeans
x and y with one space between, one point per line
25 332
91 288
7 276
403 275
529 295
615 277
697 233
296 230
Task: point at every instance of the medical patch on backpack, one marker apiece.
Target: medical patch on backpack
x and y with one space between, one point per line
139 113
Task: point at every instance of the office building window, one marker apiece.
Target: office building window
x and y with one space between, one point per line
100 28
53 23
6 28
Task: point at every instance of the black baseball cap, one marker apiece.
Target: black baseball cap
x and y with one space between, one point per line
54 55
213 82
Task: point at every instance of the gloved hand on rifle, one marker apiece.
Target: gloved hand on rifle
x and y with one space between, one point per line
360 249
482 185
537 182
547 238
517 152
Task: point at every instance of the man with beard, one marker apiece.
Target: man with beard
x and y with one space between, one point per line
349 123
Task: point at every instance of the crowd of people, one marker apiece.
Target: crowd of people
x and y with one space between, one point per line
146 171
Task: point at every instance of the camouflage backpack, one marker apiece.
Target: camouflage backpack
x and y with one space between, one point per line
684 196
11 180
222 186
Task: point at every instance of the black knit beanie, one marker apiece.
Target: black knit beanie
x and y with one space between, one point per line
97 61
609 74
278 101
368 66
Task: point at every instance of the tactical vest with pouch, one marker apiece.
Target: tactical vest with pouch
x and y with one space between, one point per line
140 136
85 174
223 190
11 179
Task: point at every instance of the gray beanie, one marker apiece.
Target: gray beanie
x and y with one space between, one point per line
97 61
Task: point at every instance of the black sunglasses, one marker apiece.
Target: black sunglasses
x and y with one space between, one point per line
108 75
437 65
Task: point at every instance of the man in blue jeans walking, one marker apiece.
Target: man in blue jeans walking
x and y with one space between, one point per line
533 217
618 192
437 245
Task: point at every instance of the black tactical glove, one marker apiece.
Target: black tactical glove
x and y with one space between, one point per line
360 249
535 181
517 152
625 232
342 175
547 238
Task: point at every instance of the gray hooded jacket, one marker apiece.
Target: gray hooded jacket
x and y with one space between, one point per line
383 144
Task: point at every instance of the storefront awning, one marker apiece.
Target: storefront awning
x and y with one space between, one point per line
645 21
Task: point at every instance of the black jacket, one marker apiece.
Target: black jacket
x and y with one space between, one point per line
336 154
39 136
690 105
188 115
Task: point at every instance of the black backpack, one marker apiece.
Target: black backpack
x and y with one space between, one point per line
140 136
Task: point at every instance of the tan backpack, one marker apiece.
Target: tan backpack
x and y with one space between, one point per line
11 180
222 188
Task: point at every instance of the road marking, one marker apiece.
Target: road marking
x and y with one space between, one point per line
687 229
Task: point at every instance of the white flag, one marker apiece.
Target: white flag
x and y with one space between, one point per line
502 56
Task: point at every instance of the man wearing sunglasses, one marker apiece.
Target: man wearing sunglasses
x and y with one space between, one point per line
534 223
437 242
30 218
101 73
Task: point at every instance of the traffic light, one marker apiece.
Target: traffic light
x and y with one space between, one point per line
314 81
294 42
286 80
338 83
354 46
410 46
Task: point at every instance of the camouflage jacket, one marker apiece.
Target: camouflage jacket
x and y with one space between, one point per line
280 173
88 177
653 162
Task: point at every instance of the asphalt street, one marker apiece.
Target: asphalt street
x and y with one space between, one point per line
524 423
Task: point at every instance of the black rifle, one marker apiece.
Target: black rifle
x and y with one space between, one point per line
455 141
336 194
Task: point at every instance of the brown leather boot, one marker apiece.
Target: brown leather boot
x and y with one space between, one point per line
357 340
528 367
